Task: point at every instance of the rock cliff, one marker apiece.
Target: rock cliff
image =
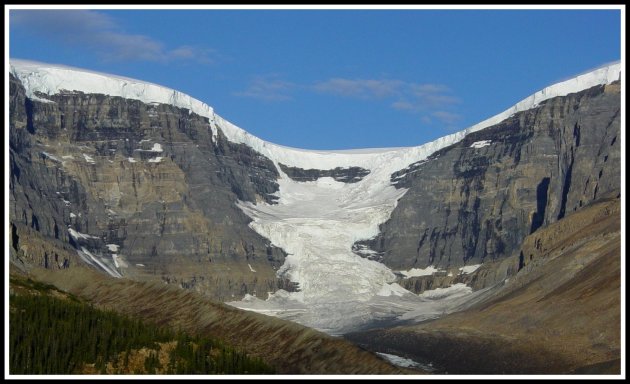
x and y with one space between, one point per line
142 190
476 200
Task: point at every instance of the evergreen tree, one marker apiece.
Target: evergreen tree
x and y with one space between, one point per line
54 336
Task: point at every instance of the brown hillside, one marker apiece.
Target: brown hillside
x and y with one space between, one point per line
289 347
559 314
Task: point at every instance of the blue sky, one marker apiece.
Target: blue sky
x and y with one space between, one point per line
332 79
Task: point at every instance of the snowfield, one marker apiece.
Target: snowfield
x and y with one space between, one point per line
316 222
404 362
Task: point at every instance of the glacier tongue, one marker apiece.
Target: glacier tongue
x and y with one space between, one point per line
316 223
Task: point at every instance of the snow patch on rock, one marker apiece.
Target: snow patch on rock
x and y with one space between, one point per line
469 268
480 144
416 272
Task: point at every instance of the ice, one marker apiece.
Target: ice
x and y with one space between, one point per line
79 235
88 158
469 268
404 362
316 223
51 157
442 293
415 272
481 144
119 261
91 259
364 250
392 290
50 79
42 100
113 247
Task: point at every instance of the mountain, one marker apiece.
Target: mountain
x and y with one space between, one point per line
477 199
146 183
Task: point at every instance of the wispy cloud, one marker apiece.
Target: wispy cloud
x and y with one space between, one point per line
424 97
433 103
429 100
361 88
432 95
268 88
103 35
448 118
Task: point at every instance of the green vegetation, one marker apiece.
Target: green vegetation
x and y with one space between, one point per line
49 335
39 288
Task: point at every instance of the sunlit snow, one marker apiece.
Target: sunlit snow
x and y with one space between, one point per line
51 157
469 268
441 293
404 362
79 235
481 144
94 260
88 158
414 272
113 247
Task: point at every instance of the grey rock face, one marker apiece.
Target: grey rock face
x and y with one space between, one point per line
150 184
344 175
148 178
467 203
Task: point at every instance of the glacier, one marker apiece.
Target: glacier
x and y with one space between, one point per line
316 222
